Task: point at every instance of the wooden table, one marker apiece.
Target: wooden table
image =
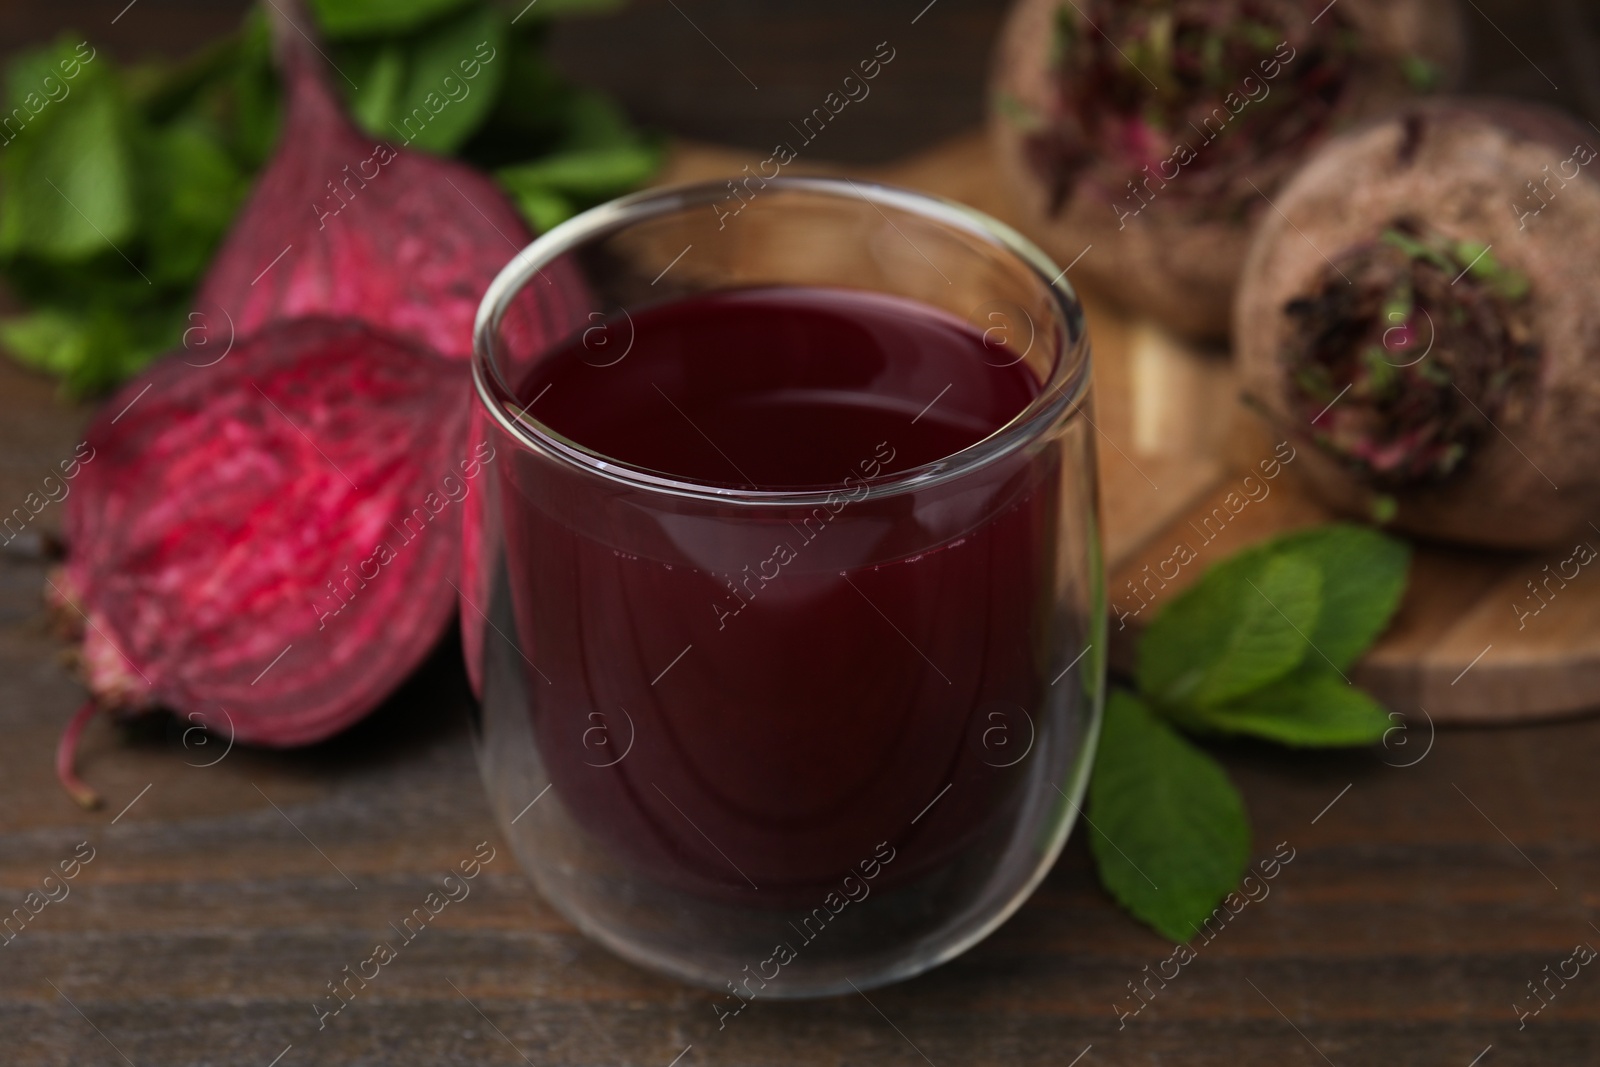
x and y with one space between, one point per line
221 899
1431 881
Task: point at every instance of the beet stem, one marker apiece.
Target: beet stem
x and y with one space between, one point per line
66 756
305 66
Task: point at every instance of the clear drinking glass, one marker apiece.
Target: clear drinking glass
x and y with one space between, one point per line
772 809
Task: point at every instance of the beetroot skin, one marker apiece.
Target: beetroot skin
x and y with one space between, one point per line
268 544
404 240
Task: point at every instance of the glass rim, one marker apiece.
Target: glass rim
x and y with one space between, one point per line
1066 386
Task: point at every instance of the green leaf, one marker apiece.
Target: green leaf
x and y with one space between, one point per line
595 121
530 116
1242 625
1417 250
1313 707
49 339
191 191
598 155
50 73
1363 579
257 107
165 91
453 74
376 18
93 348
594 174
381 85
543 208
1167 829
154 159
67 175
119 344
1475 257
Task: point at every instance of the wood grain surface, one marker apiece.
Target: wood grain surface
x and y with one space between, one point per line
1434 877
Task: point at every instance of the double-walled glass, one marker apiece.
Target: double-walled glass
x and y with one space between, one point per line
856 767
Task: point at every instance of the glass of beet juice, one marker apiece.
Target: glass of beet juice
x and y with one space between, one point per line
784 597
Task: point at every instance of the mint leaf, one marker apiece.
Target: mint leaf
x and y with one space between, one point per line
1242 625
1312 707
1167 829
1363 578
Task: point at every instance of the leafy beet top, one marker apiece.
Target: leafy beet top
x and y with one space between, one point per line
1407 351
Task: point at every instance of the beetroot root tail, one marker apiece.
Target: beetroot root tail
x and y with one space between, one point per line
66 757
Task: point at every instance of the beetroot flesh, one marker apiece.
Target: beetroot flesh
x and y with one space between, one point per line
403 240
268 544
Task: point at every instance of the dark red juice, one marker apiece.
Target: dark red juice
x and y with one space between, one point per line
734 697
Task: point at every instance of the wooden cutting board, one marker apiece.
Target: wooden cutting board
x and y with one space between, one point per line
1175 446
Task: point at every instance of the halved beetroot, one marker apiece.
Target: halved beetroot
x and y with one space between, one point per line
365 229
268 544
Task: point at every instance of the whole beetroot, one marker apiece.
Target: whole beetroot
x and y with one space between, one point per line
1419 314
267 545
1154 130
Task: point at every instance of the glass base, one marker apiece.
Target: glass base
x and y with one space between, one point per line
750 942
